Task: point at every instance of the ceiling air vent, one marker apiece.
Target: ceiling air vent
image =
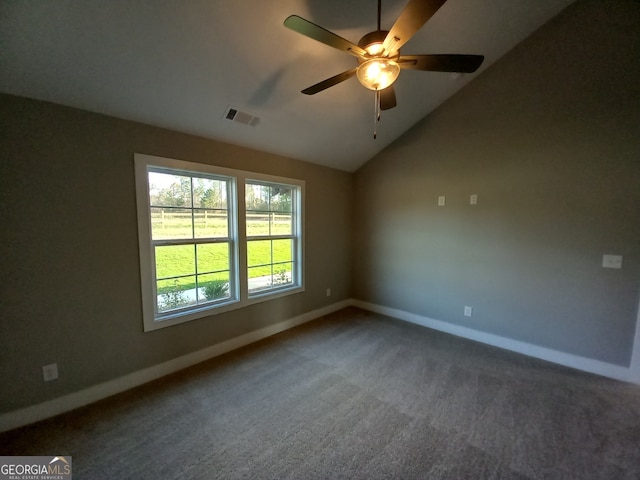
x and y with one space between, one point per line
245 118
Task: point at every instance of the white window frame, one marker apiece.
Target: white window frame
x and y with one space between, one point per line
239 294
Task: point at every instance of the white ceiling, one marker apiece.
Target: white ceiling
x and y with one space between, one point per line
179 64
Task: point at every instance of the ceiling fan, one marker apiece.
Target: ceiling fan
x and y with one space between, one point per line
378 53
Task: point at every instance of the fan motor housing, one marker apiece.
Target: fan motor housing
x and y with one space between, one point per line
373 38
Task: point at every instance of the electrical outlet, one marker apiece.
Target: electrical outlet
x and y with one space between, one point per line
50 372
441 201
473 200
328 292
468 311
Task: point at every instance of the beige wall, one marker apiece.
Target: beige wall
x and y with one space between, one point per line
549 140
71 283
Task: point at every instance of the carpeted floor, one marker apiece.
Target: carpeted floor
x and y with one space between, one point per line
354 395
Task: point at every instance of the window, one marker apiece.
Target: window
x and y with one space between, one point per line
212 239
271 236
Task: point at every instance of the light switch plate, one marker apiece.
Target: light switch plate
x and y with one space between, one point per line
441 201
611 261
50 372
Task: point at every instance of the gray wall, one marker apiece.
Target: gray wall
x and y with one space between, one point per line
549 140
70 290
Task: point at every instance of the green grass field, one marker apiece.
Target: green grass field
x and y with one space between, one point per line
176 264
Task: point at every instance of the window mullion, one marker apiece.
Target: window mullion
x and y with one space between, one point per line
193 215
241 216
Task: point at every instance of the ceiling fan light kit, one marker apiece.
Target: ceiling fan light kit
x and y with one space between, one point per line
377 73
378 53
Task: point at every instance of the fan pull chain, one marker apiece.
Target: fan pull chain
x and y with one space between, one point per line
376 113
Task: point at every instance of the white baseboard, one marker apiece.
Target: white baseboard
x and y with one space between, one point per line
74 400
569 360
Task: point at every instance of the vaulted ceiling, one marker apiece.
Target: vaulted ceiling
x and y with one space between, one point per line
181 64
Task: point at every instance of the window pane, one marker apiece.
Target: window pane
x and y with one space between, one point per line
257 224
259 253
170 223
281 224
167 190
211 224
281 199
259 278
209 193
175 261
213 286
282 274
213 257
257 197
282 250
176 293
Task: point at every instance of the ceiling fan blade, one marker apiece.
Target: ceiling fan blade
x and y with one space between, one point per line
411 19
329 82
387 98
441 63
322 35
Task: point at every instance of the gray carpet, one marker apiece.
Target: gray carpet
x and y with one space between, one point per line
354 395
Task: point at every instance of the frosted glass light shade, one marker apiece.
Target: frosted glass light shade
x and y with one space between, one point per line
377 73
